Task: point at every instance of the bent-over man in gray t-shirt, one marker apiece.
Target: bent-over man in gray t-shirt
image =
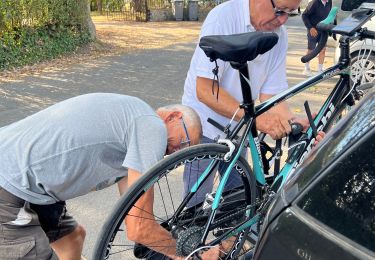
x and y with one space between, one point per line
71 148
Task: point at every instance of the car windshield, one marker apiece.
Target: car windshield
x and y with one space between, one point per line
344 198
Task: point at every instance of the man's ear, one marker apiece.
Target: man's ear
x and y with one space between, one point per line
173 115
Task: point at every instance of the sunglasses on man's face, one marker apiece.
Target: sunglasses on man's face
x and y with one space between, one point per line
184 142
279 12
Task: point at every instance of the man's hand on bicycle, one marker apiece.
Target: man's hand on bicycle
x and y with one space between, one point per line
273 124
278 127
211 254
305 124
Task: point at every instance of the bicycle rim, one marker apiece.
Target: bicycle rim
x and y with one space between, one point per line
341 113
345 108
363 67
166 180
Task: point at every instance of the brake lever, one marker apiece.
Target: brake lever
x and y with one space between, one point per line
311 120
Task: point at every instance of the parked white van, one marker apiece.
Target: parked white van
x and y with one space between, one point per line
362 52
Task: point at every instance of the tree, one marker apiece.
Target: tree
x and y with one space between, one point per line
88 21
99 4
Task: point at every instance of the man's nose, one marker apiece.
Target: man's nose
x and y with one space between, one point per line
283 18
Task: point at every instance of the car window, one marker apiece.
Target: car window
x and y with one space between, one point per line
348 5
346 133
344 199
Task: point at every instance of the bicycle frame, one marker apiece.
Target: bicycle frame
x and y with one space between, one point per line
330 108
322 119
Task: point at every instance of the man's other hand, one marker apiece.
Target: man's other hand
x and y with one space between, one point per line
313 32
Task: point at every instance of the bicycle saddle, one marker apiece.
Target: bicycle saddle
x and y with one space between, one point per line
238 47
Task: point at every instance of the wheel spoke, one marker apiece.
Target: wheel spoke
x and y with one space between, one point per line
184 222
162 198
363 68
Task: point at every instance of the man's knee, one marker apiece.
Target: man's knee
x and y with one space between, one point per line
79 234
74 238
70 246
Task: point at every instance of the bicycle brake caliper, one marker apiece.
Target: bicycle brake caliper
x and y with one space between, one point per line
231 146
207 205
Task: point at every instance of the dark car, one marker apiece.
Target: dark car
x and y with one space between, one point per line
326 210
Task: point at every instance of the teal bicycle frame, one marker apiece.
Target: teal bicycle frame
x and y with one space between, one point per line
330 109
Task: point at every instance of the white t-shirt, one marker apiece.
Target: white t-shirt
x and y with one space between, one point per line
78 145
267 72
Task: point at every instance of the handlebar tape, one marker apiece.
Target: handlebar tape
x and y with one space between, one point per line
323 27
321 44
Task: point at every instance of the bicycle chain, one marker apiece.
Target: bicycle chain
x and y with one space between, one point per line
190 237
188 240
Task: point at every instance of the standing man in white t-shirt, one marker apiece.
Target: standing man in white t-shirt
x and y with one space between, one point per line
267 74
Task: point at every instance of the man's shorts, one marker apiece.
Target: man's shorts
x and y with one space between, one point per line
26 229
312 41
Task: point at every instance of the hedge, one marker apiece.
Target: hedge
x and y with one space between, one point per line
35 30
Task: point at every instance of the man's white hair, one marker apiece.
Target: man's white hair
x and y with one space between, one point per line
191 118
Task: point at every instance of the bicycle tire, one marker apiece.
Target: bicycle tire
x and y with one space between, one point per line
338 114
168 167
347 105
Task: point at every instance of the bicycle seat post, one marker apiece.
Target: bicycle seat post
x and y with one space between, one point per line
248 102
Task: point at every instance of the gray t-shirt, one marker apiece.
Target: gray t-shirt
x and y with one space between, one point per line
78 145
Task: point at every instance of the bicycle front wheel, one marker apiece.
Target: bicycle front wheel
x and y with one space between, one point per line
347 104
173 211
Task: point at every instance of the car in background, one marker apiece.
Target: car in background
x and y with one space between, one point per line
362 52
326 209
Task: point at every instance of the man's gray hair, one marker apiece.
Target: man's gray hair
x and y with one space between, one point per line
191 118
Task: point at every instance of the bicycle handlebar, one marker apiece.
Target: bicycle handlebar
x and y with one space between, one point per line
323 27
321 44
366 34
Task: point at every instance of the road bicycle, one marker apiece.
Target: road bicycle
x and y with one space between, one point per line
231 218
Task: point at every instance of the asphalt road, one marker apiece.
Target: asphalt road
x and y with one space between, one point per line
156 76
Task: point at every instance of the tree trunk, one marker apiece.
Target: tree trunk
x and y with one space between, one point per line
88 22
99 3
138 5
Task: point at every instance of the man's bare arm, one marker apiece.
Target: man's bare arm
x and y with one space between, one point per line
140 223
142 228
284 112
224 104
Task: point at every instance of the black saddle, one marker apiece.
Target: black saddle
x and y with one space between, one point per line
239 48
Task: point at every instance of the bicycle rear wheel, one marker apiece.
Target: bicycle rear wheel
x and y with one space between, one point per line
348 103
166 180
